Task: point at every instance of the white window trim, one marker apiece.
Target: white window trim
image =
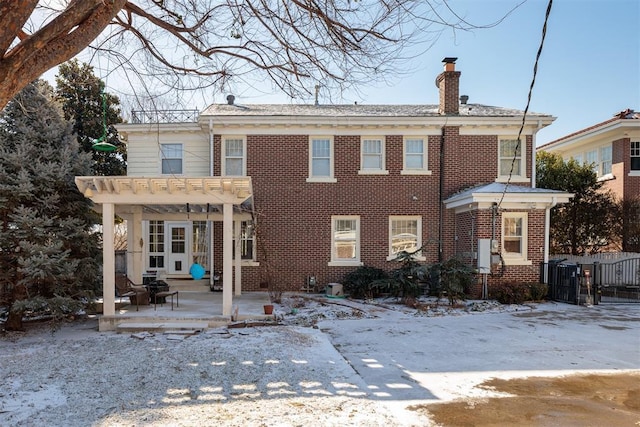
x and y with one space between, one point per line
248 262
520 259
338 262
523 160
633 172
161 156
419 256
383 152
330 178
223 157
601 160
425 157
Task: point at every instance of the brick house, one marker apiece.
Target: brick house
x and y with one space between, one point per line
612 146
284 192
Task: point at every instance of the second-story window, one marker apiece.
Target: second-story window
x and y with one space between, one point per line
372 152
233 156
415 156
578 159
171 155
321 159
511 159
592 159
635 156
605 160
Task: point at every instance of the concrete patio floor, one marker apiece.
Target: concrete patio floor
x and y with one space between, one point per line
195 307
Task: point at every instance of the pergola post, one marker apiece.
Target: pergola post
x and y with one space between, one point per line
137 246
227 258
109 262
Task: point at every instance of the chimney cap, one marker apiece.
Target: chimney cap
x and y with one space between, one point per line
230 99
450 60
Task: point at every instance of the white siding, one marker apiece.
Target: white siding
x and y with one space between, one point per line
143 152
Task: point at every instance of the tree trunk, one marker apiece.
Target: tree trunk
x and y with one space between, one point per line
14 321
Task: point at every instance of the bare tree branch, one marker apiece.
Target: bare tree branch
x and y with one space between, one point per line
193 44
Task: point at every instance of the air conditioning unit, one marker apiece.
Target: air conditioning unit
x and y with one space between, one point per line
334 289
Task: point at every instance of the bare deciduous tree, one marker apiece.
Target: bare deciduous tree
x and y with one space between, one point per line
187 44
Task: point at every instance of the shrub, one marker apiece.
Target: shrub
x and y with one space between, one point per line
364 282
510 292
455 279
538 291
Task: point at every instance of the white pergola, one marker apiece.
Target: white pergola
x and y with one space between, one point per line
161 198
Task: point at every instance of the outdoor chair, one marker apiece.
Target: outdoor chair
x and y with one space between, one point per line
137 294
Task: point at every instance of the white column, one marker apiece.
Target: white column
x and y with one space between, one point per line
137 246
109 261
227 258
238 263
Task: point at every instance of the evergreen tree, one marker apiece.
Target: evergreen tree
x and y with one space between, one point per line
81 95
49 252
590 221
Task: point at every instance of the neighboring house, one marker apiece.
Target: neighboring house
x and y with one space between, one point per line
613 147
280 193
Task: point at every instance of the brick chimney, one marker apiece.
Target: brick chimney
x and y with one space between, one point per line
449 84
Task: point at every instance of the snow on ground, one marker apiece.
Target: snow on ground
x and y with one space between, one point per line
330 362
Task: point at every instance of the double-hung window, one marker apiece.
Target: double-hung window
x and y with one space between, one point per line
605 160
234 159
345 240
415 159
514 237
171 159
592 159
372 156
247 242
635 157
512 160
578 159
405 234
321 159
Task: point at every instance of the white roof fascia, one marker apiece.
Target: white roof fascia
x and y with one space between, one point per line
590 135
510 200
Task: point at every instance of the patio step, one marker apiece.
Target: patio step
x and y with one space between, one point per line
161 326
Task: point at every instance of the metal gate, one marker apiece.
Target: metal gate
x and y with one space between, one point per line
576 283
619 281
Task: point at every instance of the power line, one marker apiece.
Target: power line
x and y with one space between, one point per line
526 109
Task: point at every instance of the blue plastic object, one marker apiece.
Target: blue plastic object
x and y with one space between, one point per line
196 271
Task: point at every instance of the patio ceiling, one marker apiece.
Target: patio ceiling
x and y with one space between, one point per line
165 196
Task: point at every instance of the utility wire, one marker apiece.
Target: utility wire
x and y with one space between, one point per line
526 109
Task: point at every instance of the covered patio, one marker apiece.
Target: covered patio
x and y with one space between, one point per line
138 199
194 307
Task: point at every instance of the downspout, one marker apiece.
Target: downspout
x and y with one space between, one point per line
209 222
441 197
533 154
547 227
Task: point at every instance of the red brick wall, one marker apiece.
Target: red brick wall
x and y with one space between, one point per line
294 216
479 224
